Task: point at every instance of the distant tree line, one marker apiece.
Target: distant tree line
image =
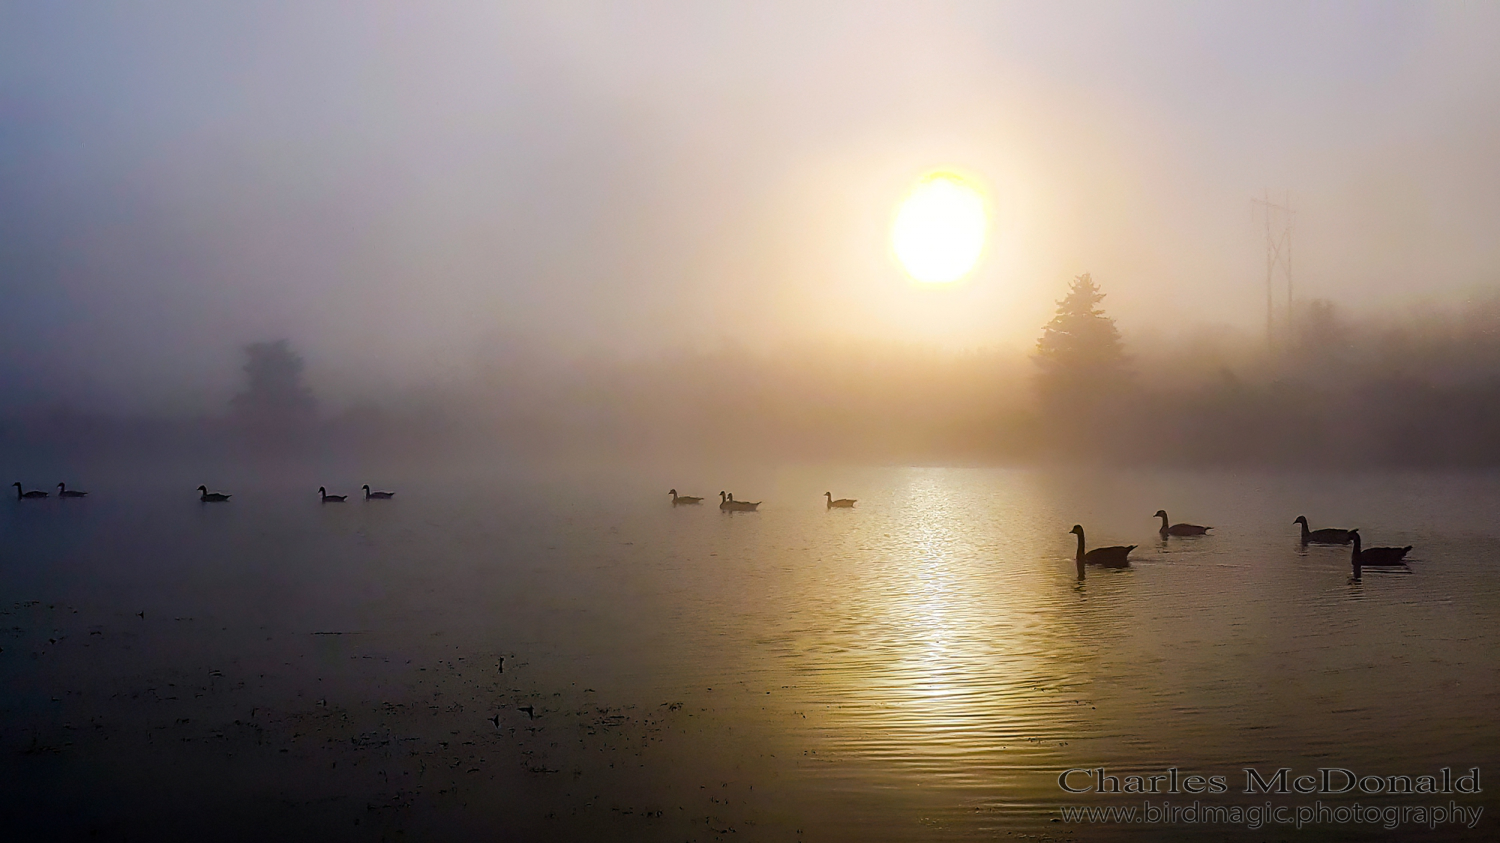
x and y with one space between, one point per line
1418 390
1411 392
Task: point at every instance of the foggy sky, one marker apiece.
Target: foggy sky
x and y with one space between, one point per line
405 191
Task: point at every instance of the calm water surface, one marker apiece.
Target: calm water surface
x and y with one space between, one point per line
921 667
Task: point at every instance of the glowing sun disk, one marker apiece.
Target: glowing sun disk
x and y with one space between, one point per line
939 231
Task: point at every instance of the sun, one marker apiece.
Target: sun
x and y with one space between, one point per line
939 232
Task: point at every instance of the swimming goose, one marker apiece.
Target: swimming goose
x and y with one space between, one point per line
1330 535
34 493
1376 557
729 504
64 492
1109 557
1178 529
327 498
211 497
681 499
842 503
379 496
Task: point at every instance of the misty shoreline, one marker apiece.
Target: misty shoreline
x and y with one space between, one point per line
101 442
1421 391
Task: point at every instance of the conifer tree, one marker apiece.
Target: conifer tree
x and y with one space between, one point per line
1080 354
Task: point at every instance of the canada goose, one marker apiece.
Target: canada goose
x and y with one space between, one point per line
1329 535
742 506
64 492
1109 557
842 503
34 493
682 499
1168 529
327 498
728 504
379 496
211 497
1376 557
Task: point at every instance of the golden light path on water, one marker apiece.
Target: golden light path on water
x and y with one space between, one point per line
946 658
951 651
921 666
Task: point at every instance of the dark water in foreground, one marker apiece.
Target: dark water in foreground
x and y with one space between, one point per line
919 668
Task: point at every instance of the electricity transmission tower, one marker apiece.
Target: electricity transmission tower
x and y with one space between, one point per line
1278 220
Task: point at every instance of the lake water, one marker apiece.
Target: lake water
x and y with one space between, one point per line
922 667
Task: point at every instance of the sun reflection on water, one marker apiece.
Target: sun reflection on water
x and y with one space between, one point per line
925 661
951 643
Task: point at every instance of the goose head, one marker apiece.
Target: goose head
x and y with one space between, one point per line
673 493
203 489
1301 519
366 487
1160 513
1354 536
1077 530
322 491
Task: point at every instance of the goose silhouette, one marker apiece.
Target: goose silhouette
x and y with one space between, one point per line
210 497
22 495
378 496
729 504
1375 557
1106 557
1328 535
683 499
1168 529
841 503
742 506
64 492
327 498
